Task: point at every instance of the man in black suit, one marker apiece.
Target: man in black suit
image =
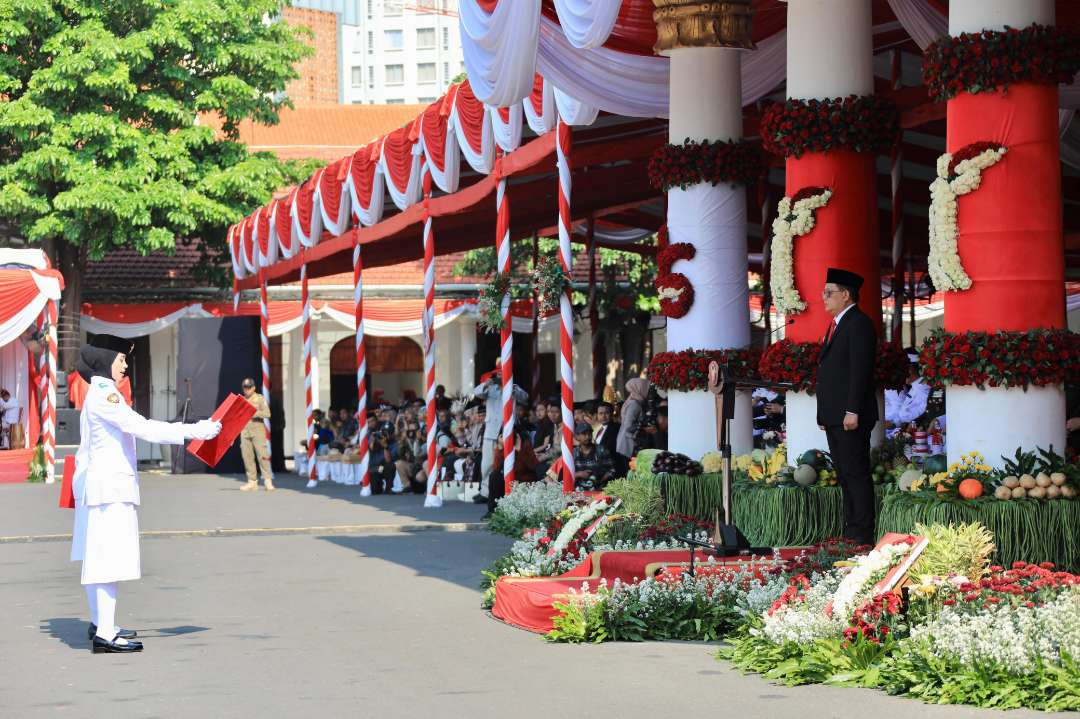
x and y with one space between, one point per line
846 405
606 431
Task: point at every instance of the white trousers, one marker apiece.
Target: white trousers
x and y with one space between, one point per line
487 459
102 600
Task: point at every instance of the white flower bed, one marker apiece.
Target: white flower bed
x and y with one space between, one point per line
807 621
535 501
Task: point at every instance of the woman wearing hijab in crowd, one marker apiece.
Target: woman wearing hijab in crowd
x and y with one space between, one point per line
106 486
633 410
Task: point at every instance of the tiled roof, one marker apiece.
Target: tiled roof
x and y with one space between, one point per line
126 269
322 132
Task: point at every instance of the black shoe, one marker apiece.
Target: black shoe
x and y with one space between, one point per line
102 646
122 633
479 499
488 515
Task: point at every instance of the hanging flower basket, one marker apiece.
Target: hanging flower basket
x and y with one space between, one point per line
984 61
489 305
862 123
736 162
1038 358
550 283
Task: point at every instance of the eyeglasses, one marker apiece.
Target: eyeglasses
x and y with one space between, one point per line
829 293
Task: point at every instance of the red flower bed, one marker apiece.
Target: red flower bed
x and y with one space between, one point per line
688 370
987 60
863 123
875 620
685 165
797 363
1037 358
1022 584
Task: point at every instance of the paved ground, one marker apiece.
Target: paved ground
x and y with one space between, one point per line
363 622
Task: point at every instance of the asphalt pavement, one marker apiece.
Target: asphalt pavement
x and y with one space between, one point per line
305 603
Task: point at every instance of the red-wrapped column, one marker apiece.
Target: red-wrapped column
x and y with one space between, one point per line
1010 240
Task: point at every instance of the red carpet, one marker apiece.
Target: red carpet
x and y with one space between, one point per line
527 602
14 465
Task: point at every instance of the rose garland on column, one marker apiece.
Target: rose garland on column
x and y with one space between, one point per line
861 123
1038 358
957 175
688 370
797 363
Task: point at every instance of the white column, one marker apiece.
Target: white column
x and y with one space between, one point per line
467 328
829 49
706 105
802 427
1034 417
447 358
978 15
293 390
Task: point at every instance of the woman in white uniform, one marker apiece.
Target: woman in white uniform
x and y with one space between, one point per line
106 486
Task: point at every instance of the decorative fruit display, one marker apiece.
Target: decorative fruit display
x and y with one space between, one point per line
676 463
1027 481
1043 475
909 478
970 488
815 458
935 463
806 475
645 459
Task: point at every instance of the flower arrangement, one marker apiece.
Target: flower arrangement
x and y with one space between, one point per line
490 304
984 61
862 123
957 175
531 504
734 162
797 363
868 570
688 370
550 283
972 466
794 218
673 288
1038 358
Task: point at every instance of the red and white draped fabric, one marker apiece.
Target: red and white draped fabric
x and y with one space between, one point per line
362 438
332 200
281 225
23 296
566 314
431 499
365 183
573 111
264 344
441 151
136 320
587 23
534 390
265 243
506 122
48 413
540 106
506 335
309 398
249 254
233 240
306 219
470 124
499 42
400 163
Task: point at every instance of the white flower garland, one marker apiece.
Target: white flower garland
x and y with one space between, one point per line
946 271
792 220
867 567
575 523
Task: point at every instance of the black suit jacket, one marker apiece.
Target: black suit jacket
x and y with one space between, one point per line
611 434
845 380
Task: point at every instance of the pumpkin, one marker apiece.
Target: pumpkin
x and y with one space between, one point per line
970 488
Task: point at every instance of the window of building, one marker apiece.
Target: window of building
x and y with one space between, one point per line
392 7
370 42
370 8
425 72
357 76
425 100
395 39
395 74
425 38
395 101
371 76
446 38
446 72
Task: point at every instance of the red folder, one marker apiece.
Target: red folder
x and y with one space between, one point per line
67 493
234 413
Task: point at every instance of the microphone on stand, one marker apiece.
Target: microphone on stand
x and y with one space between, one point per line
790 321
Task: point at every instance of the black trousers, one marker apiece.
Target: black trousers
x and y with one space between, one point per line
381 476
850 452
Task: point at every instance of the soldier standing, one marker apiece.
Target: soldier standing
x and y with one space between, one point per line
253 441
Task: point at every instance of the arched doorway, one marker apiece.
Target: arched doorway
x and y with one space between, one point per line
395 365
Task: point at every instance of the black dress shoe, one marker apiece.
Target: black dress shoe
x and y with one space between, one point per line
122 633
479 499
102 646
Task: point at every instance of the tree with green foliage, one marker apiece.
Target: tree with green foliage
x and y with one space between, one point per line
101 144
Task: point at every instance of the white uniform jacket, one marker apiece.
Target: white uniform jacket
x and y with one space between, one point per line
902 407
491 393
106 469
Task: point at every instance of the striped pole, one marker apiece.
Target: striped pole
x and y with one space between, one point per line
536 327
264 341
48 418
506 335
309 416
235 294
428 327
594 314
361 368
566 324
897 176
42 373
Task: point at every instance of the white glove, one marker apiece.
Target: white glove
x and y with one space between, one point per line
203 429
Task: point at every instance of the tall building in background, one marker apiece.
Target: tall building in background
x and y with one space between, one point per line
387 51
320 74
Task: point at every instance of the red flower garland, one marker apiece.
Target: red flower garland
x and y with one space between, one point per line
863 123
688 370
674 307
797 363
734 162
984 61
1038 358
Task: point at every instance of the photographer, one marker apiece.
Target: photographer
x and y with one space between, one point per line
410 457
382 468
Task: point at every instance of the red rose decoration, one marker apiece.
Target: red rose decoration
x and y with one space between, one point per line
688 370
691 163
860 123
1038 358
